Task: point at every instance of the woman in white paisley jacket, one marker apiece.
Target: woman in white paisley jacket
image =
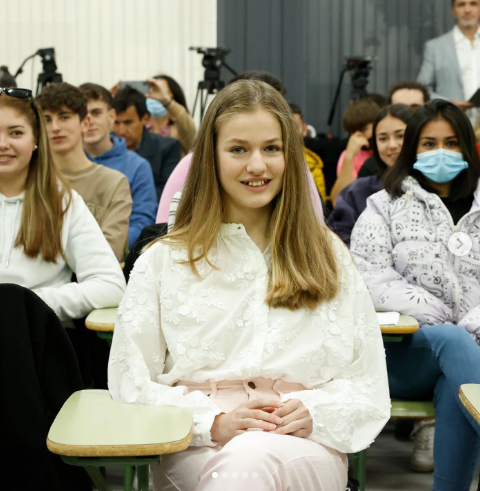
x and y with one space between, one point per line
267 323
405 247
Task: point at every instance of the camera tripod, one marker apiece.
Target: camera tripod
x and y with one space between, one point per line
213 61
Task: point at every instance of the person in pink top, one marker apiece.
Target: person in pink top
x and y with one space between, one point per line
357 121
177 178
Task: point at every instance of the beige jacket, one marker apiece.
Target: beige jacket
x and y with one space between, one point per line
106 193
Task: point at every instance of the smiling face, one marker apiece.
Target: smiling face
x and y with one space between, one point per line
17 144
389 137
250 161
438 134
64 130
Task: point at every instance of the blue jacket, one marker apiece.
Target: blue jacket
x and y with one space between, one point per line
140 176
350 204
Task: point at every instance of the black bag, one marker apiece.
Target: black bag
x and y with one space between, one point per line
352 484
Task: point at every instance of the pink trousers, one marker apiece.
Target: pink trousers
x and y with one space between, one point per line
254 460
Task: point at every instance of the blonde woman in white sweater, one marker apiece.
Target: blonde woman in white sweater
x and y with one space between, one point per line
267 323
47 232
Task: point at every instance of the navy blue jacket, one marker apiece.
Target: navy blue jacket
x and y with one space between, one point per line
140 176
163 153
350 204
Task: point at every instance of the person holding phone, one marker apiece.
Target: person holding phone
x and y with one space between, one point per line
167 106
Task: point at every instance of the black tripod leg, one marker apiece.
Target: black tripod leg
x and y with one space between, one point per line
337 95
196 98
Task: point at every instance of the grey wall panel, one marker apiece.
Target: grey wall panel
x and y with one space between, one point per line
304 42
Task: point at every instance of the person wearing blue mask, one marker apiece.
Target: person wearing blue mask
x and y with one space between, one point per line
168 109
404 245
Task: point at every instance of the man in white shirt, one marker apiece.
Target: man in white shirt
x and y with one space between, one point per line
451 63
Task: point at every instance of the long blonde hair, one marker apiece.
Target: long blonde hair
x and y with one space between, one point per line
304 271
45 191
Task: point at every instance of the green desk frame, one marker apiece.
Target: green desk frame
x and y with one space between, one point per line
93 431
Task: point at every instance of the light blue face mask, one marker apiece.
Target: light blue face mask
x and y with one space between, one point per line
156 108
440 165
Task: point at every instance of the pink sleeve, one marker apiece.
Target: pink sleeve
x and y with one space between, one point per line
359 160
175 183
316 201
340 162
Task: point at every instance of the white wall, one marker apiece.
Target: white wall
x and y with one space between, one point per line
104 41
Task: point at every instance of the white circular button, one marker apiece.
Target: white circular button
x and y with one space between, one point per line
460 244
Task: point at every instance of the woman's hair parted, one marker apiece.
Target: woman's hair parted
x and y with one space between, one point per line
466 182
45 191
304 270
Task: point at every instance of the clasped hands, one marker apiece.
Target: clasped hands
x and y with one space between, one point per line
289 418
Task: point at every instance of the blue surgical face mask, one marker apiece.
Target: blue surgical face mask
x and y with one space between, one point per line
440 165
156 108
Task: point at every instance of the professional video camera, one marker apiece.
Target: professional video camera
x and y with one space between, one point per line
49 74
359 71
359 68
213 60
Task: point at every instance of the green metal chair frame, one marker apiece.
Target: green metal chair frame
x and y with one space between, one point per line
400 409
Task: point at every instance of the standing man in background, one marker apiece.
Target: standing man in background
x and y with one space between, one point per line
451 63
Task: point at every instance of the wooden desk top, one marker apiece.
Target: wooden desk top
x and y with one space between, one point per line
406 325
469 394
91 424
102 320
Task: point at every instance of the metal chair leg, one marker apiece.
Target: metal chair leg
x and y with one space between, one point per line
128 480
97 478
143 477
359 468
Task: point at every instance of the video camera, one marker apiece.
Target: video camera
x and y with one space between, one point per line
359 71
213 60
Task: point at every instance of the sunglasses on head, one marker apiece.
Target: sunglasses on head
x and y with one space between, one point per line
17 93
21 94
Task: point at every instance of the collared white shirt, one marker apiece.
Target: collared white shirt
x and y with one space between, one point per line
218 327
468 56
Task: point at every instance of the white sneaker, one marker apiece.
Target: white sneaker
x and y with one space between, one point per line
422 458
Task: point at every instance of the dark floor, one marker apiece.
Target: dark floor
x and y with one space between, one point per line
387 467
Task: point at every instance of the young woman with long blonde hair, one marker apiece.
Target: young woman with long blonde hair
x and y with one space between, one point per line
47 232
267 323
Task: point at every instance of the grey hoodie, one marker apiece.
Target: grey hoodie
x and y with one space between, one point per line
400 247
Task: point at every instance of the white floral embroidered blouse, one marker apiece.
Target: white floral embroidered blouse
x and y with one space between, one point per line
219 328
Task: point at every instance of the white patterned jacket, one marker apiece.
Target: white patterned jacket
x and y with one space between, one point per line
400 247
219 328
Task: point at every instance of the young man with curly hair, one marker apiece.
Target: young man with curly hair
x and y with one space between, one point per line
105 191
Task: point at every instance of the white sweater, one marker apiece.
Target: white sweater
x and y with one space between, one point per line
88 255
